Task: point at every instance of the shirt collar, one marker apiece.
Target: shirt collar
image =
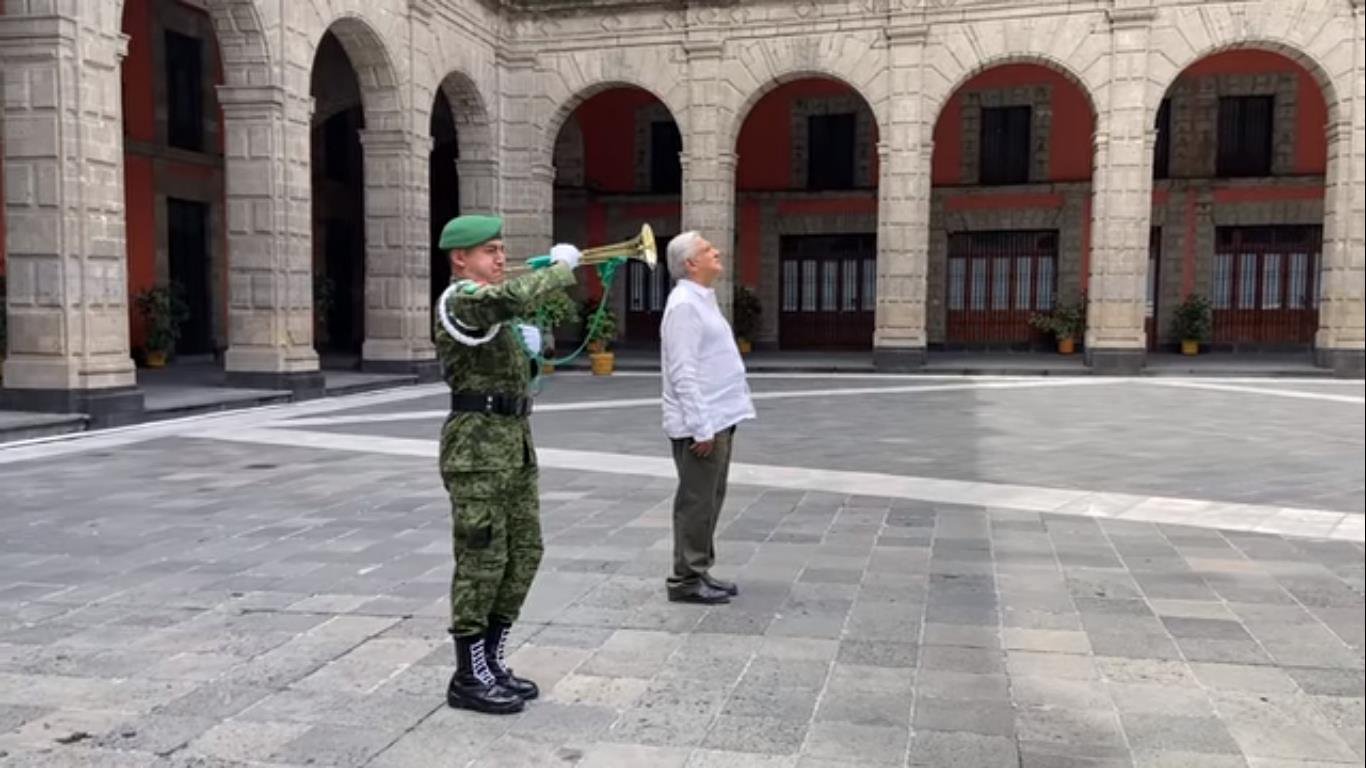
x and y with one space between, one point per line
698 289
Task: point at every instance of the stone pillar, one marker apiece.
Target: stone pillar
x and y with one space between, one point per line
270 262
1122 209
708 162
397 258
67 304
903 212
478 178
1340 343
526 194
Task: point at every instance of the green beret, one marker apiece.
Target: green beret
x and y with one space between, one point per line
469 231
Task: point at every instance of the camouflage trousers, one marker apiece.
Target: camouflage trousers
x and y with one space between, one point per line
496 538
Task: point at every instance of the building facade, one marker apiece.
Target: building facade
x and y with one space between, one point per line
896 175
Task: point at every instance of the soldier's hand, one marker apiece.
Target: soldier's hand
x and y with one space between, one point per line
531 336
703 450
566 254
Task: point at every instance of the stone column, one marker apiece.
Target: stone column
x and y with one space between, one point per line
903 215
270 263
1340 343
397 260
67 304
708 163
478 178
1122 208
526 195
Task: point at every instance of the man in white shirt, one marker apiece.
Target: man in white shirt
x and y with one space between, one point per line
705 396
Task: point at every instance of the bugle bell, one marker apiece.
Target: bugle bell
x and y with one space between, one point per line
640 248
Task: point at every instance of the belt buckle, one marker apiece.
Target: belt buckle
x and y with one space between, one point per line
488 404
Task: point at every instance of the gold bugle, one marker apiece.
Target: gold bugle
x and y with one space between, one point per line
641 248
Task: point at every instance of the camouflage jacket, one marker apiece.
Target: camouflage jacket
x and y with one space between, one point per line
480 442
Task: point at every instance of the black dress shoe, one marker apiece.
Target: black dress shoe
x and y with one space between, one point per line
721 585
698 593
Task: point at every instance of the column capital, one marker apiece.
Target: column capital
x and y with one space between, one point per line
21 30
724 160
1131 16
478 166
394 141
421 10
250 97
512 59
704 49
913 33
543 172
1337 129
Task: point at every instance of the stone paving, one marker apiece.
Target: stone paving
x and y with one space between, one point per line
170 597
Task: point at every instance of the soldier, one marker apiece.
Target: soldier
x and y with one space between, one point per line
488 463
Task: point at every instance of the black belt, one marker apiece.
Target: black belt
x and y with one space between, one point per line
503 405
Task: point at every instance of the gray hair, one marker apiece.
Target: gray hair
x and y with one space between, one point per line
680 249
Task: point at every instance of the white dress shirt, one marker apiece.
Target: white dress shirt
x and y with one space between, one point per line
705 391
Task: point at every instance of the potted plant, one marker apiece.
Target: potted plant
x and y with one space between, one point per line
1067 323
162 310
552 310
1191 323
745 313
601 330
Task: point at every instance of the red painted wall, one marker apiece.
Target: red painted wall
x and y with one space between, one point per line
609 138
2 195
607 122
1074 124
140 191
1311 146
764 149
139 101
765 142
3 247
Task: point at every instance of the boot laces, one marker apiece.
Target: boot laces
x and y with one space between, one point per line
500 648
479 664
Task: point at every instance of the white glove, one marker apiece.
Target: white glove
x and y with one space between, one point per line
566 254
531 336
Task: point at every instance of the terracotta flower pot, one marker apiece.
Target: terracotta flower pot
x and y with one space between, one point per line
156 359
1190 347
1067 346
603 362
745 346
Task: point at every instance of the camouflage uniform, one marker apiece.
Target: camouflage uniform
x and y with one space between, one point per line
488 463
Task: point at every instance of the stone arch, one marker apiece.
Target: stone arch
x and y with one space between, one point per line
1291 30
462 67
473 123
964 51
569 149
935 107
1320 38
574 78
241 27
854 60
379 78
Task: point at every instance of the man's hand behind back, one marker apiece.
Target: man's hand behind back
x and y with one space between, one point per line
702 450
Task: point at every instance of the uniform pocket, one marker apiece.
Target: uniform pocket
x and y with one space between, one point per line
473 523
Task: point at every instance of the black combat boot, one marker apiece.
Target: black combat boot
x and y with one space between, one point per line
495 646
473 685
